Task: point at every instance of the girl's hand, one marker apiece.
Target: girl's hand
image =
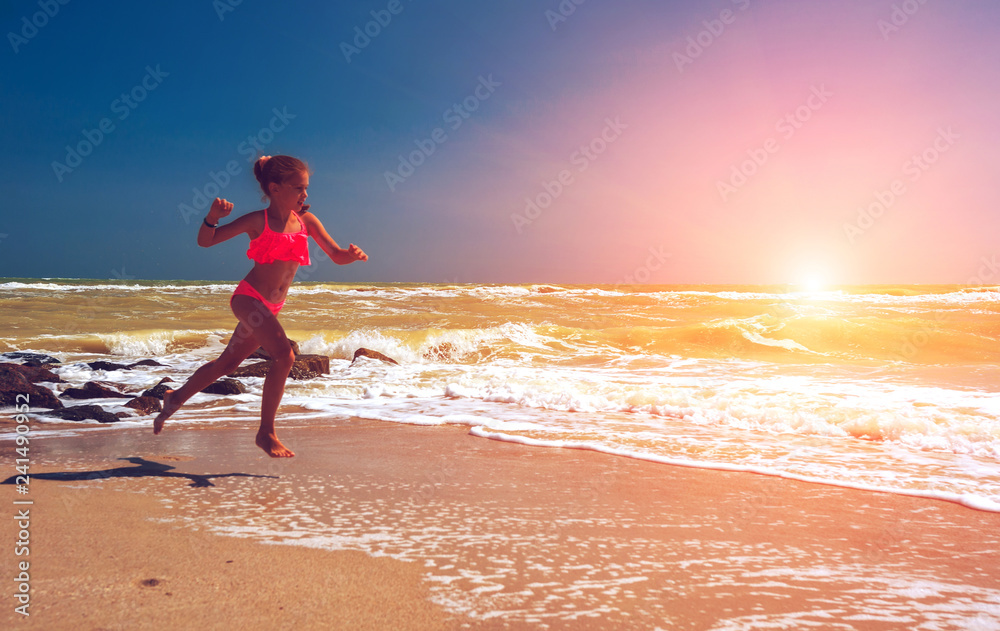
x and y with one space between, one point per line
220 208
356 253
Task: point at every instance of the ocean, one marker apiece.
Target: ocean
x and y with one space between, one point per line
890 388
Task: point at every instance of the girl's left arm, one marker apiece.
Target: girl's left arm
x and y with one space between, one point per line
337 254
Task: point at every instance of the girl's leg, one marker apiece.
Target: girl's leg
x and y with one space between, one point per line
258 327
240 346
267 331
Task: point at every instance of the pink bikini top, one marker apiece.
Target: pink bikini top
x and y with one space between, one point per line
273 246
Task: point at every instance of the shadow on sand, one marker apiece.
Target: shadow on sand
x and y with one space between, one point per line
144 469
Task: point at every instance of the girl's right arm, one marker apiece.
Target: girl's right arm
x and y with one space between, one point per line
208 236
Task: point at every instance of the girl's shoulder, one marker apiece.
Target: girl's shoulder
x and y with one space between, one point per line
308 218
253 222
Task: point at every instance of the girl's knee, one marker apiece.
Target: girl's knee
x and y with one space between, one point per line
284 357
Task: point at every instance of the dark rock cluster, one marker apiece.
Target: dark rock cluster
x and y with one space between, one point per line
27 377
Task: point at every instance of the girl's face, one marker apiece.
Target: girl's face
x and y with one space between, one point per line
291 193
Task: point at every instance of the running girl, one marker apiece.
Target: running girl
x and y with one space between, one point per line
279 243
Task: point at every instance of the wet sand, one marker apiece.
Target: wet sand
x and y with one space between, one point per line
472 533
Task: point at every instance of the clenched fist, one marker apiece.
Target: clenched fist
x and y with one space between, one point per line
220 208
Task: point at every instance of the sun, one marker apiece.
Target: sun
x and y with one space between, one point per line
810 277
812 284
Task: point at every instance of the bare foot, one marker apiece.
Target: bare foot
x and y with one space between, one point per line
169 407
272 446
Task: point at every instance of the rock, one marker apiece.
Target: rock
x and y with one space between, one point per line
225 387
95 390
258 369
119 387
145 405
34 374
301 372
145 362
310 366
103 365
260 353
157 391
365 352
15 386
37 359
84 412
305 367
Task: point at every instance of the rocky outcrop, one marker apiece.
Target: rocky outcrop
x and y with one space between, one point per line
145 362
31 359
256 369
83 413
225 387
260 353
305 367
16 384
145 405
365 352
156 391
103 365
21 379
35 374
95 390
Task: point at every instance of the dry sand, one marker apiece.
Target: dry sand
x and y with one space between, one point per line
493 535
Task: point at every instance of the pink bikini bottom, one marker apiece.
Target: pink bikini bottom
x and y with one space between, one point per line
246 289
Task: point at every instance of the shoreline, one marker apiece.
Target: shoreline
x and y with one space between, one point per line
387 525
889 288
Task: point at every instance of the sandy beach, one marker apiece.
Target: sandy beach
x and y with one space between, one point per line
473 533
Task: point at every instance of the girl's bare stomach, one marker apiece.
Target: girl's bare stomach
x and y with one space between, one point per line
272 280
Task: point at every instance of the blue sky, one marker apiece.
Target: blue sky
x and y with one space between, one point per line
645 203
